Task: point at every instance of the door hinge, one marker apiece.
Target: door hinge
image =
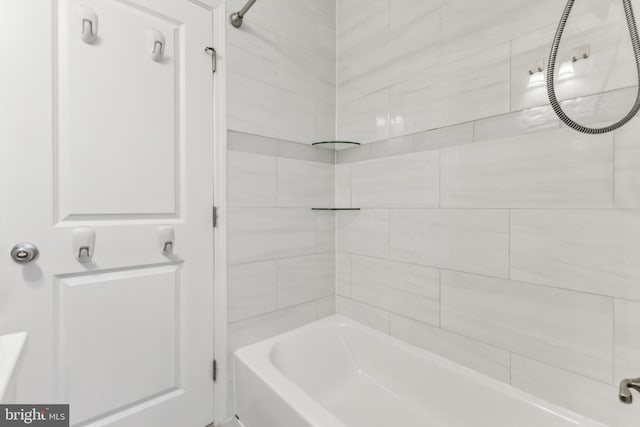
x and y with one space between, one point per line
215 370
214 57
214 216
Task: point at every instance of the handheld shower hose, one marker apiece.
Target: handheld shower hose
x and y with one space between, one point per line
635 41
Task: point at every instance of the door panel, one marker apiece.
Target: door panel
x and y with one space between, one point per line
105 137
119 114
101 325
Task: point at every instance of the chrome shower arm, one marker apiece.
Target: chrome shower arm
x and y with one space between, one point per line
236 18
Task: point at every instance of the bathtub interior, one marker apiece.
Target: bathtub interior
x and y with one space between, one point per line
365 378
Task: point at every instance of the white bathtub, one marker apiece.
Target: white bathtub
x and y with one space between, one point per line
338 373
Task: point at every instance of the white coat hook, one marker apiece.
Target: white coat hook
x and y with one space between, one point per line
89 24
83 243
156 44
166 237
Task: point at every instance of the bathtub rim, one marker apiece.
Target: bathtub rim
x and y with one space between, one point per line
257 358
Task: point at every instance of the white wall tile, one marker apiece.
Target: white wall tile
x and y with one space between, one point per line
627 160
271 92
364 232
407 289
476 355
251 180
304 279
361 28
326 231
343 274
534 119
570 330
561 168
585 396
449 136
326 307
270 233
409 180
259 328
272 111
304 184
252 290
587 250
627 344
468 28
473 88
467 240
362 313
606 69
364 119
343 186
248 143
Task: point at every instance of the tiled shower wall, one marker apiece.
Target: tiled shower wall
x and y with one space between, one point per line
489 233
281 98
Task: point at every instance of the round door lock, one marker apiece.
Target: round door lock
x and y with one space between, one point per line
23 253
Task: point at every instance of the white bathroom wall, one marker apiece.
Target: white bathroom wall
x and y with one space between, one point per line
489 233
281 98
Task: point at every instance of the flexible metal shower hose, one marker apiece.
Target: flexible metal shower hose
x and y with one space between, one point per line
635 41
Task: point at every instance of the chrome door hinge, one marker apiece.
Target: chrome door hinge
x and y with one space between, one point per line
214 57
215 370
214 217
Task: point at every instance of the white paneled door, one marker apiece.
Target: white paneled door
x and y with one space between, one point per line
106 127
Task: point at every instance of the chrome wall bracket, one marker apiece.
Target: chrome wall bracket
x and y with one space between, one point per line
237 17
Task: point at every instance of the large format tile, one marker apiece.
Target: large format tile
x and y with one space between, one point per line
273 111
476 355
252 180
410 180
531 120
364 119
554 169
466 240
259 328
585 396
326 231
367 315
587 250
252 290
326 307
449 94
304 184
407 289
343 274
304 279
343 186
627 344
364 232
627 160
467 27
270 233
567 329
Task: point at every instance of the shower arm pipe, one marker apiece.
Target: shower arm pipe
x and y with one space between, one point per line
237 17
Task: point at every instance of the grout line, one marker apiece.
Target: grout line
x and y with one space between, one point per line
440 298
613 347
509 244
488 276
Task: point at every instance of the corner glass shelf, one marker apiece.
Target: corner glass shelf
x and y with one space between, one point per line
335 209
336 142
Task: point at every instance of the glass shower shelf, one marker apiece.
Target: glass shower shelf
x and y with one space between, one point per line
336 142
335 209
